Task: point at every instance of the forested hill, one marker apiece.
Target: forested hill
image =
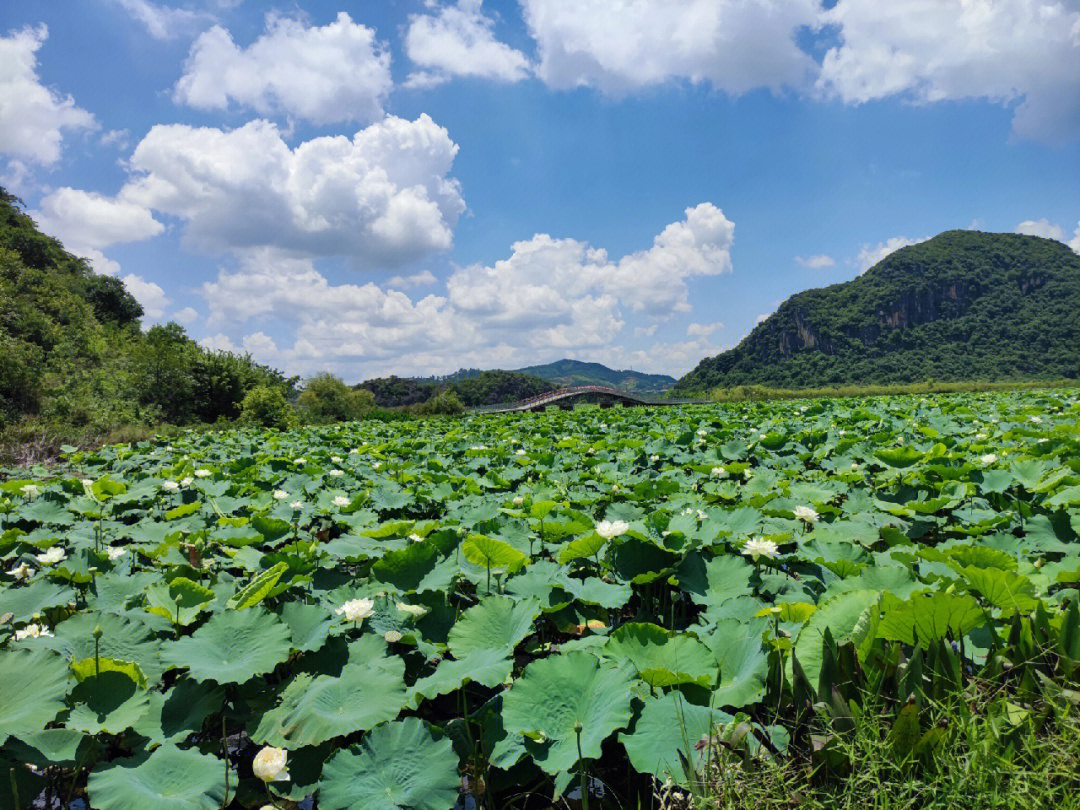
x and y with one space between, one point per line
961 306
568 373
483 388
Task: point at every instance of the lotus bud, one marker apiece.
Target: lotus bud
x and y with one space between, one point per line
98 632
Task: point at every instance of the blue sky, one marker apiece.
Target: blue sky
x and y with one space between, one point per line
411 187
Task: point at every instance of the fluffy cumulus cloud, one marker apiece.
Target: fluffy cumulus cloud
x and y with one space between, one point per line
870 255
87 222
458 41
703 329
1024 51
383 197
815 262
33 117
150 295
736 45
549 297
1049 230
331 74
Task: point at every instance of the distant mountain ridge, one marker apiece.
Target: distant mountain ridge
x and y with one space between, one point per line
569 373
964 305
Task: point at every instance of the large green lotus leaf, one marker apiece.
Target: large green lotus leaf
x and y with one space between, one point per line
744 665
405 569
309 625
19 783
497 623
55 746
122 639
898 457
583 547
258 587
840 614
397 766
316 709
489 667
180 601
931 617
667 734
492 554
167 779
1003 589
32 689
662 658
1028 472
173 715
115 592
554 694
640 561
594 591
231 647
36 597
110 702
726 577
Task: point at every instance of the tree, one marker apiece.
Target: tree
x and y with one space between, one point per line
326 398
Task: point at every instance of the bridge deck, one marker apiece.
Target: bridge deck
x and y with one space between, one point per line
568 395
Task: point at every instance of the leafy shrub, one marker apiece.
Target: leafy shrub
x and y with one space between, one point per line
326 399
266 406
445 403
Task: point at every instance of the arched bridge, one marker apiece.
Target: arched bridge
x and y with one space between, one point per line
566 398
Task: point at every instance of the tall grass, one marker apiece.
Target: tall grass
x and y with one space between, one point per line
743 393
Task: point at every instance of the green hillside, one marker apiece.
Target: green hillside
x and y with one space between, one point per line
961 306
74 361
482 388
568 373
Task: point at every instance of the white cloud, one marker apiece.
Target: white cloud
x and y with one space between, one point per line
764 316
933 50
458 41
420 279
1041 227
703 329
818 261
549 298
85 221
1049 230
383 198
33 117
164 22
115 137
870 255
331 74
150 295
187 315
736 45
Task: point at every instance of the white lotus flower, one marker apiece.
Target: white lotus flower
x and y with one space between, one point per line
356 610
854 465
187 482
300 462
416 538
980 435
591 450
297 505
611 528
52 556
520 451
718 472
392 636
354 451
269 765
202 472
757 547
1036 420
807 514
376 465
115 552
703 432
412 610
518 501
701 515
337 473
989 458
336 459
170 486
21 572
614 487
86 482
32 631
654 457
280 494
341 500
30 490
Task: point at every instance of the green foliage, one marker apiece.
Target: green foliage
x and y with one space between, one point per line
483 388
961 306
327 399
410 609
266 406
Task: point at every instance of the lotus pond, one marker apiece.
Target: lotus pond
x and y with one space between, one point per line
496 611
